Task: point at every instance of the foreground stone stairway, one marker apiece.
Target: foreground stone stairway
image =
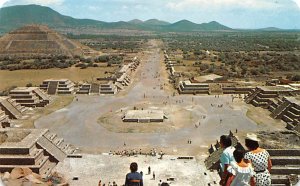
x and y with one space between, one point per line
285 162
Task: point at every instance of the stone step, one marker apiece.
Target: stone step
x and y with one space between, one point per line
35 168
46 170
52 149
285 170
279 179
285 160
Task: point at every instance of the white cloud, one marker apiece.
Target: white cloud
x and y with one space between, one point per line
254 4
297 2
2 2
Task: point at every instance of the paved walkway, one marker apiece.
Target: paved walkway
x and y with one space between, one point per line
77 123
114 168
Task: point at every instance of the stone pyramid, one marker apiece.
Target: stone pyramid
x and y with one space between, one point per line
38 40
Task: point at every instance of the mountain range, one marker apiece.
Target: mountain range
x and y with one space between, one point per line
16 16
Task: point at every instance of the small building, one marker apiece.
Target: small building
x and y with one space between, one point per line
30 96
57 86
144 116
187 87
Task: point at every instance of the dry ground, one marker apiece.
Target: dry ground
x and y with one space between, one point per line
259 115
22 77
179 118
58 103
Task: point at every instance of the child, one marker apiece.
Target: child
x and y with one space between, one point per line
243 173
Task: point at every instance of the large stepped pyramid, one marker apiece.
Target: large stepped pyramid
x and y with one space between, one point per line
38 40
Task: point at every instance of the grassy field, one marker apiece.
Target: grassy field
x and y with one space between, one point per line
22 77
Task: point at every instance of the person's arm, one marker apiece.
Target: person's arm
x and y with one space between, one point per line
269 164
252 181
126 181
141 183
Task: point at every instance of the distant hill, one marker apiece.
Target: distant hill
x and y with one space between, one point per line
185 25
136 21
156 22
17 16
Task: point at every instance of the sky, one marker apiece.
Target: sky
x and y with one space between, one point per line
232 13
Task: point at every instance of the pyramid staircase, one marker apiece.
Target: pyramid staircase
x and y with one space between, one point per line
13 109
52 87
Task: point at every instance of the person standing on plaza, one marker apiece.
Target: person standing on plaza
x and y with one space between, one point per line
134 178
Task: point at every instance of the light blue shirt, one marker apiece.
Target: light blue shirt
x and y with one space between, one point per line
227 157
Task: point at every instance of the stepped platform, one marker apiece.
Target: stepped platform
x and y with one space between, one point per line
31 148
11 108
108 88
58 86
30 96
144 116
84 89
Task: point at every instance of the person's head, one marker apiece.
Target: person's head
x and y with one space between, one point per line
251 145
238 155
251 141
225 141
133 167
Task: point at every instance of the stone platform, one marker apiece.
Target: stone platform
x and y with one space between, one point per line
144 116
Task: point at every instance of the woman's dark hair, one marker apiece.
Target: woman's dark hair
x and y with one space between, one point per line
225 140
133 167
251 145
238 155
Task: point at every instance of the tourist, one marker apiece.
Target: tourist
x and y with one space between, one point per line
226 158
159 184
153 175
243 173
260 160
142 173
99 184
149 170
134 178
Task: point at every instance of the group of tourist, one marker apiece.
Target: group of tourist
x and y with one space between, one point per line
109 183
133 152
242 169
